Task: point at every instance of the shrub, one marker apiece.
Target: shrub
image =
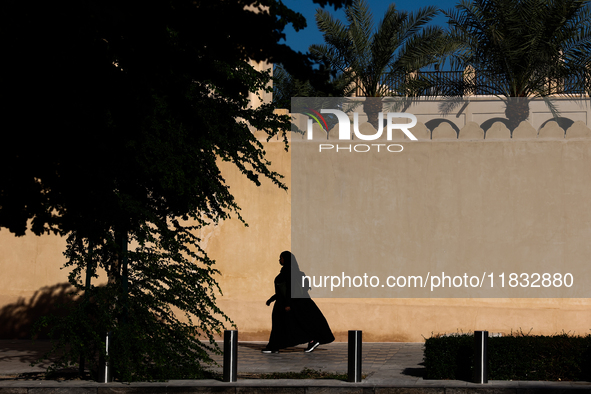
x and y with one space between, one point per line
518 356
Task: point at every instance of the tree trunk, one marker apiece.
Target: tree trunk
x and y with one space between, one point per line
372 106
517 111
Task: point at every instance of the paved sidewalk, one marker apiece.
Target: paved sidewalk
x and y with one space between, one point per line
399 361
16 356
390 368
392 360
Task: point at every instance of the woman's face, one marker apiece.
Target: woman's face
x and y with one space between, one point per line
281 261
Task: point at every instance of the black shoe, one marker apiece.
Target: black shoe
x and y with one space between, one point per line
311 346
269 351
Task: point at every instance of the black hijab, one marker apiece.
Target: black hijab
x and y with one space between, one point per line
292 268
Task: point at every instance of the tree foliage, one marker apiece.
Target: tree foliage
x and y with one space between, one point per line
158 307
117 115
520 49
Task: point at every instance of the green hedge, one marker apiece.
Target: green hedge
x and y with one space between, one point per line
514 357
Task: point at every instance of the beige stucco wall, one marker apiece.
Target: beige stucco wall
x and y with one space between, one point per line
249 262
31 282
248 257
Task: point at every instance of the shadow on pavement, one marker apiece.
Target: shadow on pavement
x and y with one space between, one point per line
261 346
416 372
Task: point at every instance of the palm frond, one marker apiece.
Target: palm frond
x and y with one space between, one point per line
366 54
521 47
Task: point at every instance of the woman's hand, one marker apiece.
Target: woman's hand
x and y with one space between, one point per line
287 309
269 301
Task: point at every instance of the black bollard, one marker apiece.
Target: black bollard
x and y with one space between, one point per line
354 361
230 355
480 357
105 375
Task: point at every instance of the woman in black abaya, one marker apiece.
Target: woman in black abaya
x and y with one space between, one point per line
295 320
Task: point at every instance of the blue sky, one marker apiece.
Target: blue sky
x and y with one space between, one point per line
301 40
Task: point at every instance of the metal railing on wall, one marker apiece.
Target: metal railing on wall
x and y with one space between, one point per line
467 83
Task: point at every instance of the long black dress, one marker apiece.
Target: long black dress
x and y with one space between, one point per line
303 323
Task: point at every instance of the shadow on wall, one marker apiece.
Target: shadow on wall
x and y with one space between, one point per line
17 319
487 124
434 123
563 123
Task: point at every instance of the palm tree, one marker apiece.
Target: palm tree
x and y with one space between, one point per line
521 50
400 45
